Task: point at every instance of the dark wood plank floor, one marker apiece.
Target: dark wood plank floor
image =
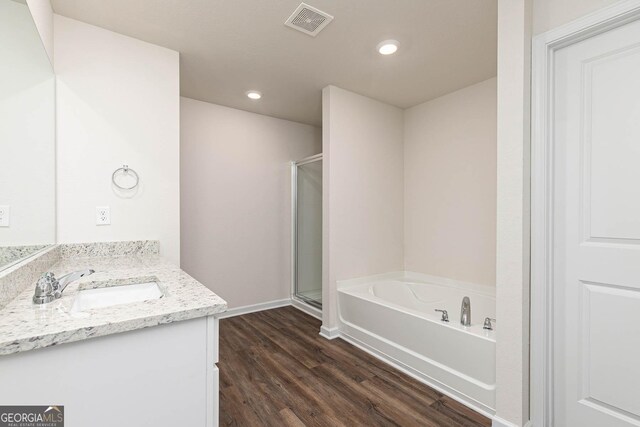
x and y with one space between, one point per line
275 370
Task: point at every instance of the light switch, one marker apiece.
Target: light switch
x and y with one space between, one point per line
103 215
5 213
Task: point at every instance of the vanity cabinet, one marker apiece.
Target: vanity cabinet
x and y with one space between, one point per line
160 376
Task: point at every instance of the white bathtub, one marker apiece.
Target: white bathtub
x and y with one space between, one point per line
394 317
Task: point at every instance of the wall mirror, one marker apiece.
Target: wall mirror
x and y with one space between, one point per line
27 137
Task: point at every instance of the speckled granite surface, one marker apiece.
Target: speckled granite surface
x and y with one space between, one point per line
109 249
24 326
15 279
11 254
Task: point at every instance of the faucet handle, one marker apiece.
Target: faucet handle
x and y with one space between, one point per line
487 323
46 281
45 289
445 315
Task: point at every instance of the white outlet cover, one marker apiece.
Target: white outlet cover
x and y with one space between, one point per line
103 215
5 214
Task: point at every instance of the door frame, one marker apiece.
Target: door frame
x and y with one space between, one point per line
314 311
542 187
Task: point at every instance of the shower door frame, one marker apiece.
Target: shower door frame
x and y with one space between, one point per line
314 307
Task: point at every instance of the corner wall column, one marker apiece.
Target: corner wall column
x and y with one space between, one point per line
513 212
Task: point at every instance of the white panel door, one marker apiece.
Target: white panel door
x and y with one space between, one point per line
597 231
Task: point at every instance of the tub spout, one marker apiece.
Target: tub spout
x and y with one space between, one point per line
465 312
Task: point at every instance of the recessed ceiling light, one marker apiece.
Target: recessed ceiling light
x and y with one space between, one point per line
388 47
254 94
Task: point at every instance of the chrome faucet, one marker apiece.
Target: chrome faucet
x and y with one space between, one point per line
487 323
445 315
465 312
49 288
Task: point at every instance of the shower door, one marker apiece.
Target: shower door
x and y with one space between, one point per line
307 230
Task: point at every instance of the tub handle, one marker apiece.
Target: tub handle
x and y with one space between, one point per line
487 323
445 315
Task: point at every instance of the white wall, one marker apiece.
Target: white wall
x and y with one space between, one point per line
549 14
117 103
363 191
513 211
235 199
450 185
27 130
42 13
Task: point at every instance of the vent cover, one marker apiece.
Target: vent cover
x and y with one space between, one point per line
308 19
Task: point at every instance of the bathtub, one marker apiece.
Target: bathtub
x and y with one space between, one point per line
393 316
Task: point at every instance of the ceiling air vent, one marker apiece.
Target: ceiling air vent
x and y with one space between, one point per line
308 19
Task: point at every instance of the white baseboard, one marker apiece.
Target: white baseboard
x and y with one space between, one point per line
306 308
499 422
329 333
239 311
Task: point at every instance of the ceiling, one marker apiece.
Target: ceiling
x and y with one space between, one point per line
230 46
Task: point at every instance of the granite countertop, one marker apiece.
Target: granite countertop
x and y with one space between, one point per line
25 326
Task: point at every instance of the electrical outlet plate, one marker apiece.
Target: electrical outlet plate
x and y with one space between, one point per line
103 215
5 213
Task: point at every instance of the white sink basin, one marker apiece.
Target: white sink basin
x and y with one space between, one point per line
88 299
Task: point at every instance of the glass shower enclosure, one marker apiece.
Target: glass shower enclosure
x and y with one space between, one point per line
306 191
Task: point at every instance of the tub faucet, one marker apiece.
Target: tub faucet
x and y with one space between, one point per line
465 312
487 323
49 288
445 315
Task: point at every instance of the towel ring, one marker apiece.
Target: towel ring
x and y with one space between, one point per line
126 170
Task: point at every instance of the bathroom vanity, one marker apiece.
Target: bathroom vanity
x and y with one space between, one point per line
137 358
